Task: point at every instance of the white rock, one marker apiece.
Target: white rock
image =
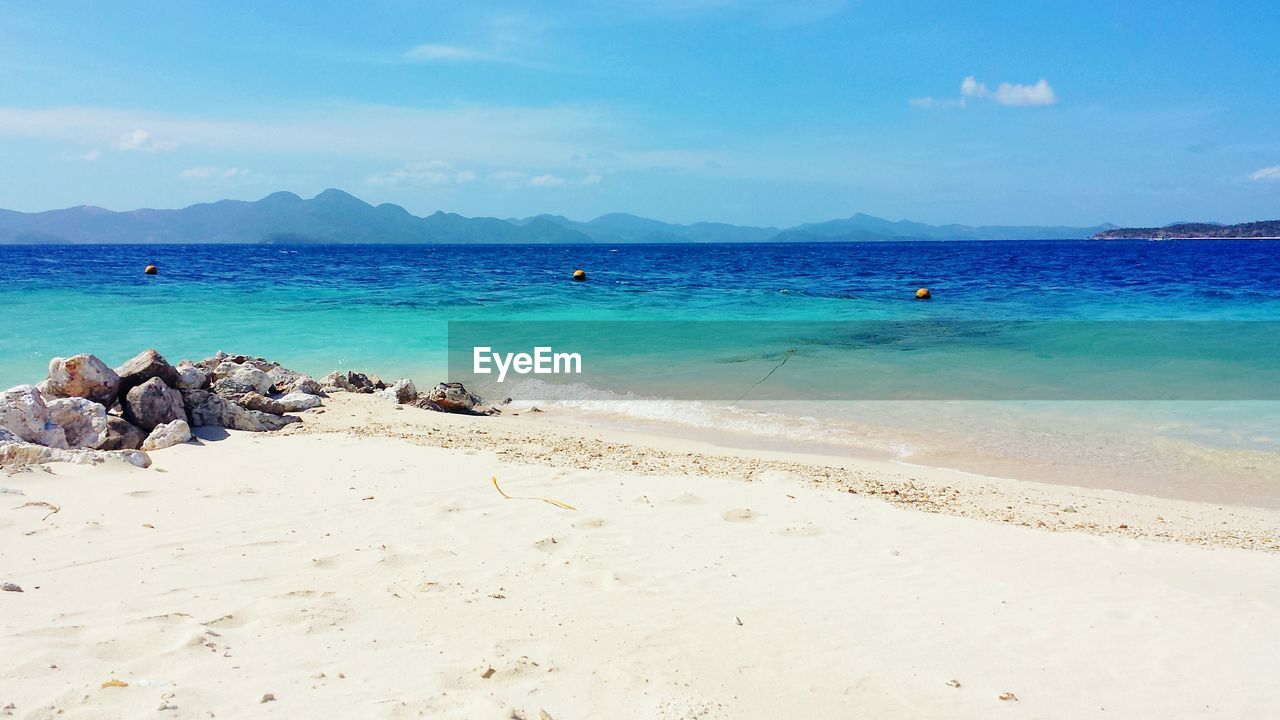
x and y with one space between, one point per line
83 421
246 375
191 376
304 384
402 391
167 435
85 376
24 413
23 453
295 401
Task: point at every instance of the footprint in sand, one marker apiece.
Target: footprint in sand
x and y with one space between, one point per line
687 499
740 515
590 523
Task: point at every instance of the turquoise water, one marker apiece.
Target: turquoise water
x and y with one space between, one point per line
386 309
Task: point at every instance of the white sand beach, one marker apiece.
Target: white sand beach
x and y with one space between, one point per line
363 564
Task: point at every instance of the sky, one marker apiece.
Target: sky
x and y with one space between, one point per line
743 111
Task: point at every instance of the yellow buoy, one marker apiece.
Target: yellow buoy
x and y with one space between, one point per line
580 275
150 270
923 294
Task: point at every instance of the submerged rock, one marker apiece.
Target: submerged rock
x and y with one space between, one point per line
295 401
122 435
144 366
83 376
152 403
83 421
23 412
168 435
207 409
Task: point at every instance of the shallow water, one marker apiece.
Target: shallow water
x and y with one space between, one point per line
386 309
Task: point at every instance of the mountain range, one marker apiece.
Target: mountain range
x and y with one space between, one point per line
334 216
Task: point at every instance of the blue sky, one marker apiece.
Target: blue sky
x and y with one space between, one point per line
732 110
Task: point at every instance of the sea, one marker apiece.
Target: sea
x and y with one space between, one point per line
1166 378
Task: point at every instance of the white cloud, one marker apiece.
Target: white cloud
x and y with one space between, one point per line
1008 94
1266 174
139 139
205 172
434 172
514 180
593 179
970 87
433 52
92 155
1026 95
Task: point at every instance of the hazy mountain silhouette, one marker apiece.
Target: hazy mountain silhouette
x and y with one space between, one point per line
334 216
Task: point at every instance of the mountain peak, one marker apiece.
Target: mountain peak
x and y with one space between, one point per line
281 196
334 196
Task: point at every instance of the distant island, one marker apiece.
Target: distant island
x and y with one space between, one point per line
335 216
1263 229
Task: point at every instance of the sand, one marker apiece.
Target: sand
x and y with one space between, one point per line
364 565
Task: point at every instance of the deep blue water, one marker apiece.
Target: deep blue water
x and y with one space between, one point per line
384 306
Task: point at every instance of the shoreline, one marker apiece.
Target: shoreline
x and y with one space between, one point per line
548 440
362 563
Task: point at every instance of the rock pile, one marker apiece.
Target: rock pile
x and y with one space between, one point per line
87 412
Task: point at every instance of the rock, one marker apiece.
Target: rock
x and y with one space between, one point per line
303 384
337 381
122 435
452 397
351 381
152 403
254 401
83 422
83 376
24 414
235 379
10 587
403 391
144 366
360 382
8 437
191 376
207 409
168 435
32 454
295 401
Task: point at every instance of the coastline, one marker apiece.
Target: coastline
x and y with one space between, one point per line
362 562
